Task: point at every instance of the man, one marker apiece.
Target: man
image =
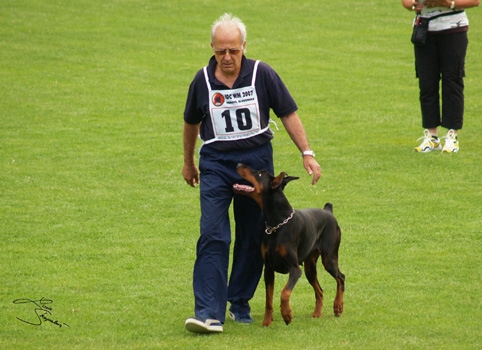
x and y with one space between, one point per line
228 105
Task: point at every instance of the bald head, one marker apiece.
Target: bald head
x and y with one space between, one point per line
228 23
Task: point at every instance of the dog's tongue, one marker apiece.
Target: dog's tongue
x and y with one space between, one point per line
243 188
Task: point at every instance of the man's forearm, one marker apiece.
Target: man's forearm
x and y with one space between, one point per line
190 135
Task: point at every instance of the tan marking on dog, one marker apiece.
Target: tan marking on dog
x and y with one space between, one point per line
257 195
282 251
264 250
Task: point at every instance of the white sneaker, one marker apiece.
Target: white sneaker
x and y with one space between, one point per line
430 143
451 143
195 325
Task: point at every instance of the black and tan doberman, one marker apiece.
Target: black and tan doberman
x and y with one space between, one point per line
293 238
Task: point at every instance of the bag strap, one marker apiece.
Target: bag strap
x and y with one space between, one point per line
419 14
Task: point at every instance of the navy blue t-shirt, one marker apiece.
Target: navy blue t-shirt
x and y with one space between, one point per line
270 89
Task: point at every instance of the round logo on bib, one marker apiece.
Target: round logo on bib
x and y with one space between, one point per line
218 99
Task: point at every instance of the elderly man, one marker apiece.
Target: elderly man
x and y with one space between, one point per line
228 105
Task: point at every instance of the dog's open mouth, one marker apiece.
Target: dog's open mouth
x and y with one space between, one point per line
243 188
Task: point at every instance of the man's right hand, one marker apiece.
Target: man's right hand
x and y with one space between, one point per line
191 175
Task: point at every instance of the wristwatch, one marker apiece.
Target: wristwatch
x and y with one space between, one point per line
308 153
452 5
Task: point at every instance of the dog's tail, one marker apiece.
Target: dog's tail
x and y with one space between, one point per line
329 207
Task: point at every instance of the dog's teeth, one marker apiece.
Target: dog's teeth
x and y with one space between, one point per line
243 188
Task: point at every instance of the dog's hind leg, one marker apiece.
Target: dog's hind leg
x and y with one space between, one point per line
340 288
312 276
331 265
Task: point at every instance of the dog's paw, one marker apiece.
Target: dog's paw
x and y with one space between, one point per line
286 311
268 318
267 322
287 316
338 309
288 321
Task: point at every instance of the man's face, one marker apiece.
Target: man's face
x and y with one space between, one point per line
228 49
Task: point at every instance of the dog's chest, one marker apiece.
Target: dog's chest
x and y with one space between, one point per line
279 255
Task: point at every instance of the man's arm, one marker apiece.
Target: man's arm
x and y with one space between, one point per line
190 171
295 129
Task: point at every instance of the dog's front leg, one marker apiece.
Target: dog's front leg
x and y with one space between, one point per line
294 275
269 283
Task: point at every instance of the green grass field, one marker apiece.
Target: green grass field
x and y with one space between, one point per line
95 215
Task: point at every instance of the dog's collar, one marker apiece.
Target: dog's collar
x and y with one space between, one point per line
269 229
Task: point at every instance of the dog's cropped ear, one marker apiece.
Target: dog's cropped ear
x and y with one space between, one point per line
288 179
278 180
281 180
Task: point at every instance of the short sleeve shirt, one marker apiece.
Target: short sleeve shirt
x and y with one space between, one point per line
271 92
451 20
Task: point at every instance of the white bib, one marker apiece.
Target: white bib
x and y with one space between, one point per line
234 112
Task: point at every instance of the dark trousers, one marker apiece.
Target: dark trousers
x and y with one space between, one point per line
210 277
442 58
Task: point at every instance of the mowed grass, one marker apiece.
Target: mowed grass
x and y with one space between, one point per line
95 215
